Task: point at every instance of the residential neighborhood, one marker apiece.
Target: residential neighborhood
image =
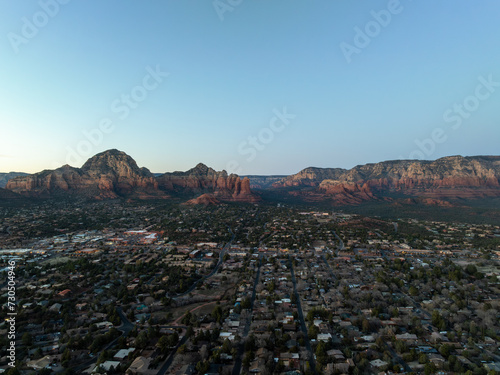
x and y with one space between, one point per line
257 290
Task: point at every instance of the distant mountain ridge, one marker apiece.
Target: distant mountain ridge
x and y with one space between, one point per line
107 175
263 182
114 174
202 179
449 177
5 177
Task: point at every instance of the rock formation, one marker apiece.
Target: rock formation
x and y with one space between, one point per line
5 177
110 174
205 200
113 174
449 177
202 179
263 182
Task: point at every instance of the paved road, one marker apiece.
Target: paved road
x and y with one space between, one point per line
341 243
417 305
214 271
125 327
164 368
329 268
85 365
174 323
303 326
398 358
241 346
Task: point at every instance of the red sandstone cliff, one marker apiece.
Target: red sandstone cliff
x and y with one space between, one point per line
113 174
110 174
205 200
449 177
202 179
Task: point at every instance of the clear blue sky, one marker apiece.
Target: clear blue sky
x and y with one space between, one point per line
232 68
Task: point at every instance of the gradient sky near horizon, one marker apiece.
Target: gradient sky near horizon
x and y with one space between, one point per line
232 67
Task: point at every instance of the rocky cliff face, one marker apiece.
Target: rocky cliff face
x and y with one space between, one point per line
449 177
263 182
116 171
202 179
204 200
310 177
5 177
112 174
107 175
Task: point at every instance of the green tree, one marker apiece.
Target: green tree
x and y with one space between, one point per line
217 313
249 355
27 339
173 339
186 319
422 358
313 331
226 346
246 303
471 269
445 350
163 344
429 368
66 356
142 340
365 325
202 367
